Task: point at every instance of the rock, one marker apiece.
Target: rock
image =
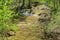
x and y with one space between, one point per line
11 33
43 13
58 36
31 19
40 9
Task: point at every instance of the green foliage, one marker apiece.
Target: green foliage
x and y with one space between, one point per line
10 39
13 27
54 23
55 17
5 18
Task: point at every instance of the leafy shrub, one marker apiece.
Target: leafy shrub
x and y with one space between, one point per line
5 18
52 28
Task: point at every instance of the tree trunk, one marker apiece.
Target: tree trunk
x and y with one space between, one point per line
55 3
29 3
23 1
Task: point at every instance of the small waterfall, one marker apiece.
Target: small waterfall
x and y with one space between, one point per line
27 13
